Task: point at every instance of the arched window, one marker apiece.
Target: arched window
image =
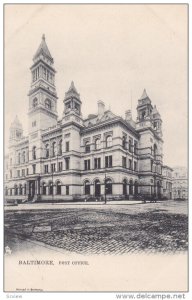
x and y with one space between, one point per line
87 147
97 144
58 186
51 188
124 142
87 187
108 186
97 187
124 187
35 102
60 148
131 187
136 187
20 189
16 190
53 149
44 188
108 141
34 152
48 103
47 150
23 156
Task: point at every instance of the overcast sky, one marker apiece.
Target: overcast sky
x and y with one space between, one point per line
110 52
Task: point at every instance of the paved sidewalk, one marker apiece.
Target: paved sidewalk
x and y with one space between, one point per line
31 206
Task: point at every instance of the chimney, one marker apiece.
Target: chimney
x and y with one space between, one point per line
101 108
128 115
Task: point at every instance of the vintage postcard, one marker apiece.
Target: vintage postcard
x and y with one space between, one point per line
95 147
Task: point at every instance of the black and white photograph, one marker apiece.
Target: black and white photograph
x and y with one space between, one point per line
95 147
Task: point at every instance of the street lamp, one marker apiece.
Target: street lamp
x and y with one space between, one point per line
105 199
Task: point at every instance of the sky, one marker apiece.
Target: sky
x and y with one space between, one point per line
111 52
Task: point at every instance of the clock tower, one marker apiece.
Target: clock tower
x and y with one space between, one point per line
42 94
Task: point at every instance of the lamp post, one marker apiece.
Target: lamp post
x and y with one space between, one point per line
105 199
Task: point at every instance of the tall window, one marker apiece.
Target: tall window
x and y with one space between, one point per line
124 186
46 169
97 144
124 161
130 144
130 164
58 188
87 147
47 150
135 166
67 189
108 141
87 187
155 151
34 152
20 189
53 168
44 188
19 158
23 156
124 142
131 187
16 190
60 148
60 166
108 186
136 187
108 161
97 163
135 147
25 189
87 164
51 188
53 149
67 162
6 191
67 146
34 169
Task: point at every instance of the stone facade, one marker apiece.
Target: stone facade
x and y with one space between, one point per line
72 158
180 183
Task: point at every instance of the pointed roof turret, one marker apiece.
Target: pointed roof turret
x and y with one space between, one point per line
144 95
155 113
72 92
16 123
43 50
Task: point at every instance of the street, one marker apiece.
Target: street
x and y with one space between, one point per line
98 229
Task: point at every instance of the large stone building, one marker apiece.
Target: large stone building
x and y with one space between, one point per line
72 157
180 183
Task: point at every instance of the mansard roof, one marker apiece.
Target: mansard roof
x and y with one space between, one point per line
43 49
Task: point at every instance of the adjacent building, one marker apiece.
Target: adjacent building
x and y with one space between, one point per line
71 157
180 183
